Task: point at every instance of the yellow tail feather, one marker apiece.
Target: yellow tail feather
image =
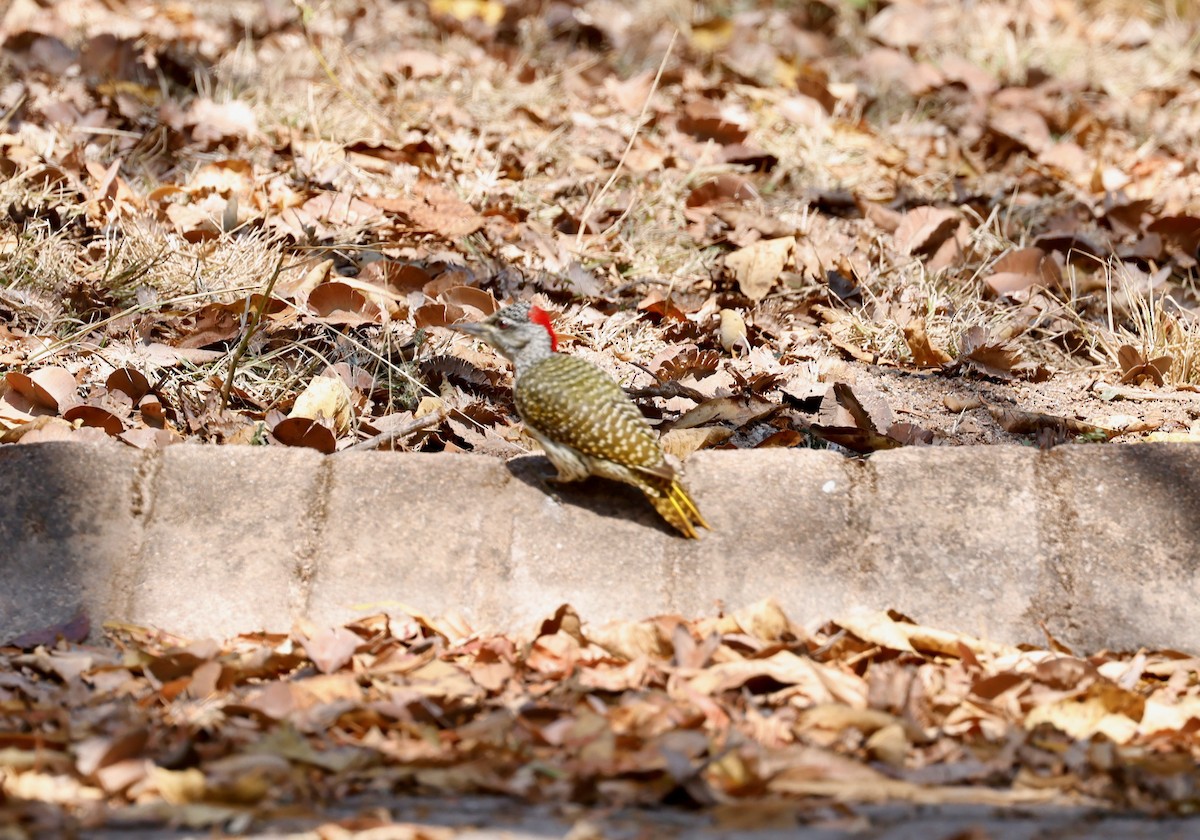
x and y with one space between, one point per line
675 505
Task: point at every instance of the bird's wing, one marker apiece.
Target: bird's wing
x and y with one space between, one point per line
573 402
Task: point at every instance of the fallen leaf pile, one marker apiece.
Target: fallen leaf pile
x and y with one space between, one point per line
745 708
732 210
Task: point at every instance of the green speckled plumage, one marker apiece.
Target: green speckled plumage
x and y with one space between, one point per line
575 403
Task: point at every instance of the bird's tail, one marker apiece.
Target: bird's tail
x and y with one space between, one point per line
674 504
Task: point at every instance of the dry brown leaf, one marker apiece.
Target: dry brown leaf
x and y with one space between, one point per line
304 432
326 398
854 422
922 349
988 356
902 26
330 649
50 387
96 417
1034 423
757 267
214 122
878 628
784 668
890 744
1022 268
835 718
1135 367
129 381
470 298
724 189
444 681
631 640
924 229
437 315
680 443
434 209
1106 710
1021 126
43 428
763 620
339 302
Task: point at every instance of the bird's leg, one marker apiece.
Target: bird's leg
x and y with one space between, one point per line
550 483
568 465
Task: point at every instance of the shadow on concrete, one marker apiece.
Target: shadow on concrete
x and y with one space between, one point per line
601 496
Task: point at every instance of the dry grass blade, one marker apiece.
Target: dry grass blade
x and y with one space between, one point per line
251 327
637 126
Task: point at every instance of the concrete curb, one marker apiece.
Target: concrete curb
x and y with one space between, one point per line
1099 543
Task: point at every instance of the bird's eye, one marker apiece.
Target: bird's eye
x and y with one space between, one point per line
502 324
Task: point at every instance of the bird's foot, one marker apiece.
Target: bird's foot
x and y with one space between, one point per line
550 485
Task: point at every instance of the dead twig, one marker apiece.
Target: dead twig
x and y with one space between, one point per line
433 418
664 388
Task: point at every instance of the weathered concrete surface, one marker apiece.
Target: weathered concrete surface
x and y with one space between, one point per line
1098 543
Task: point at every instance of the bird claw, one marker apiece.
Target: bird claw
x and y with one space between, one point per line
550 483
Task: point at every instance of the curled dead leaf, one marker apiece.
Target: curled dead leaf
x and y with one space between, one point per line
49 387
924 229
1105 710
737 411
924 353
45 427
1135 367
330 649
878 628
129 381
629 640
783 668
150 438
732 331
763 619
437 315
724 189
96 417
890 745
1022 268
989 356
470 297
1059 429
305 432
341 303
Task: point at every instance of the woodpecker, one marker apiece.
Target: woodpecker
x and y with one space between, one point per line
582 418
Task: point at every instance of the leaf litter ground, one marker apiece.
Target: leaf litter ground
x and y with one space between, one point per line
961 217
836 224
746 715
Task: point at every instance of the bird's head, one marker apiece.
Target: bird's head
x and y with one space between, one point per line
519 331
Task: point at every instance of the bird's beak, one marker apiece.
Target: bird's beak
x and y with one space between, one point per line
475 329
